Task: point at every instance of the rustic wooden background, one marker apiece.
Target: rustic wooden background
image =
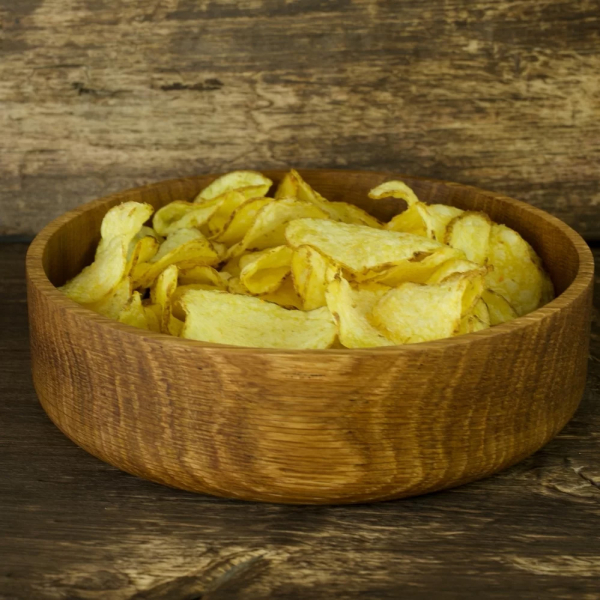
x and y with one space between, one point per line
100 95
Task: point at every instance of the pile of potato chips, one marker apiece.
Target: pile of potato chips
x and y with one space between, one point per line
238 267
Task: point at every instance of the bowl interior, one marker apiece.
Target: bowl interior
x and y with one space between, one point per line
72 245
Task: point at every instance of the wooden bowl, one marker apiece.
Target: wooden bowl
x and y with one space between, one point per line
305 426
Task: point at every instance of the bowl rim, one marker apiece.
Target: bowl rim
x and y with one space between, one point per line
37 277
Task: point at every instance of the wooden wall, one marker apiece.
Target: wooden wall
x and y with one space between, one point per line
100 95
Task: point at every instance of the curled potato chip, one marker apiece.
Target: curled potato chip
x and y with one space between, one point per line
476 319
133 312
470 232
125 219
235 286
499 308
262 272
160 294
234 181
394 189
227 204
182 215
294 186
427 220
285 295
456 265
357 248
417 313
239 320
113 303
241 220
418 268
153 314
311 273
351 309
184 247
268 229
101 277
203 275
141 250
517 274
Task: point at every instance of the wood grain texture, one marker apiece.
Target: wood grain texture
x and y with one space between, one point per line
332 426
74 527
103 95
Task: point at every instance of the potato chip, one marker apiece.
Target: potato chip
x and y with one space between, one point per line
294 186
153 314
235 286
476 319
499 308
160 294
235 180
113 303
228 202
146 231
125 219
101 277
351 309
285 295
417 313
141 250
224 318
427 220
241 220
357 248
470 232
456 265
262 272
268 229
417 269
184 247
517 273
394 189
311 275
133 313
204 275
182 215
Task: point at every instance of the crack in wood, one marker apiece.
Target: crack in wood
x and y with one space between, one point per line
208 85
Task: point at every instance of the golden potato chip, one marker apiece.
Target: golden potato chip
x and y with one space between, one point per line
204 275
268 229
235 180
357 248
126 220
176 308
113 303
235 286
153 314
184 247
241 220
294 186
394 189
456 265
232 267
285 295
417 269
499 308
417 313
311 273
238 320
146 231
141 250
228 202
476 319
470 232
182 215
160 294
262 272
100 278
133 313
517 274
427 220
351 309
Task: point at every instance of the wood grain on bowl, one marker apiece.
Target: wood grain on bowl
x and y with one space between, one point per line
332 426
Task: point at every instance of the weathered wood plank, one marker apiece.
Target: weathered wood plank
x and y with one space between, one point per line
102 95
74 527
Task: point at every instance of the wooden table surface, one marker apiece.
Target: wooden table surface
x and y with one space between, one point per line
72 527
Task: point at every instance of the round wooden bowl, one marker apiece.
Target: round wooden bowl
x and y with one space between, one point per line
304 426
